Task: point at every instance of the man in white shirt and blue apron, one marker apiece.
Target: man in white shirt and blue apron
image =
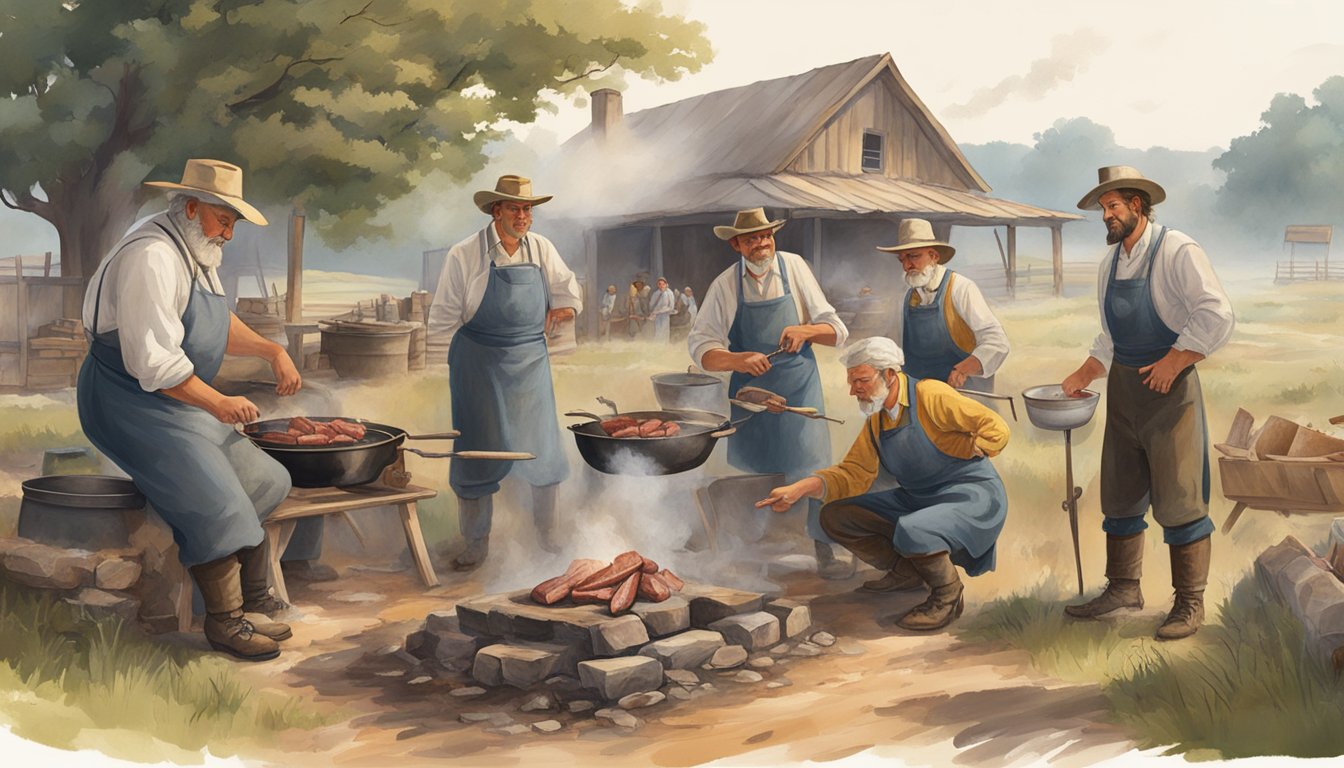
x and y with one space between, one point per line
500 292
767 301
1162 311
159 328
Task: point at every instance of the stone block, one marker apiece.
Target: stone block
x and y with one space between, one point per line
513 615
728 656
473 617
794 617
710 604
686 650
102 604
615 678
682 677
669 617
618 717
443 621
451 650
752 631
47 567
519 664
116 573
612 638
641 700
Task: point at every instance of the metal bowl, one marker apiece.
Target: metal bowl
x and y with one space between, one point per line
691 392
1049 408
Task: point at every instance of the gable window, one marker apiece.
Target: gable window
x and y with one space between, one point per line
871 159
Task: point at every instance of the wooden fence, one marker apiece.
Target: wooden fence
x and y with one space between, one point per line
1035 279
1295 271
39 302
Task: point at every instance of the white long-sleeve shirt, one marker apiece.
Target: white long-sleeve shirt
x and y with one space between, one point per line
465 275
991 343
715 318
1186 293
664 303
145 292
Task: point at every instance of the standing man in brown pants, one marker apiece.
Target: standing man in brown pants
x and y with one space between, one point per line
1162 311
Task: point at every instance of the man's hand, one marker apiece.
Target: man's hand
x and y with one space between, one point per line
794 337
780 499
1162 373
287 378
964 370
753 363
555 316
234 410
1086 374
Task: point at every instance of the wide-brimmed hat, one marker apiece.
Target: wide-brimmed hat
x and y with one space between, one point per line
517 189
918 233
753 220
217 182
1121 177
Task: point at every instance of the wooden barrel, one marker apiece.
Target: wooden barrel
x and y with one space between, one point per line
357 354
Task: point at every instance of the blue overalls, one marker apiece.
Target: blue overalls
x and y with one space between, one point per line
1140 339
208 482
930 352
943 504
499 377
787 443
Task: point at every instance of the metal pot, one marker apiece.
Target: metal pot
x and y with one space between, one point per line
78 510
320 466
1049 408
651 455
691 392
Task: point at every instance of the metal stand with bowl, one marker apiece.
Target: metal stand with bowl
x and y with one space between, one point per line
1049 408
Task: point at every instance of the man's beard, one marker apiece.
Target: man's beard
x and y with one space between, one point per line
878 401
1127 227
920 277
758 261
207 251
516 234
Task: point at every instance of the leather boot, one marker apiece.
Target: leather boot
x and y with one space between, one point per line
259 602
902 577
474 518
1189 574
945 601
1124 564
225 627
545 515
829 566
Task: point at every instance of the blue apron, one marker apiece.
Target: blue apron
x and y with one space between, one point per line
1138 335
208 482
499 377
943 504
930 352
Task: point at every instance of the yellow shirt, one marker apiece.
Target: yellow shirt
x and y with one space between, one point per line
961 333
955 424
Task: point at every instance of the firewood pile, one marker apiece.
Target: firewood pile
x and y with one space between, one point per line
616 584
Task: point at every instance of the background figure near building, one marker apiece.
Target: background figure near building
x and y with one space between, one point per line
605 311
661 306
687 301
634 310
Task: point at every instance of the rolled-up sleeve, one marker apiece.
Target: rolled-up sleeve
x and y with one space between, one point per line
991 342
148 284
819 310
1211 321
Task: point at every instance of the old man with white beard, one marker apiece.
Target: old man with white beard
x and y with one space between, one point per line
769 300
944 324
950 505
159 328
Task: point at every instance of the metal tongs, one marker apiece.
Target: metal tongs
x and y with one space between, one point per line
992 396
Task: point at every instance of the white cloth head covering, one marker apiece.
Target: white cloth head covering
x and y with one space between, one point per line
878 351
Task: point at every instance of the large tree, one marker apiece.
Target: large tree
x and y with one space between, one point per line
1291 170
342 105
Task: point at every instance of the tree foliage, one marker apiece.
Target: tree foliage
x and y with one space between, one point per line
1291 170
342 105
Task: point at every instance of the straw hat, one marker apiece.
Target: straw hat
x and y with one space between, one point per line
918 233
517 189
1121 177
215 182
753 220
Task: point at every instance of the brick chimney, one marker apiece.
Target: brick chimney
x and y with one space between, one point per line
606 112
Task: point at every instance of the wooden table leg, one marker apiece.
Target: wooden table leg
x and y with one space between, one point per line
702 503
277 538
415 541
1232 518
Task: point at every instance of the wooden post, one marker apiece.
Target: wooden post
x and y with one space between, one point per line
592 300
816 248
1012 260
1057 256
656 260
294 286
21 291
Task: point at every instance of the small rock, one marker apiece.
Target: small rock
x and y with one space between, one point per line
357 597
386 650
516 729
683 677
618 717
824 639
641 700
116 574
580 706
728 657
473 690
678 693
706 686
547 726
781 649
806 649
475 717
392 673
761 662
780 683
747 676
539 703
421 680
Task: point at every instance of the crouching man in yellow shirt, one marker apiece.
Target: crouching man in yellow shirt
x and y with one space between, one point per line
951 504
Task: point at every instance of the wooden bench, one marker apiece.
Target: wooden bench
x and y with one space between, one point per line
315 502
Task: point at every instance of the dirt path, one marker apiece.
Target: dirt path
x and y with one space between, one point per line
876 695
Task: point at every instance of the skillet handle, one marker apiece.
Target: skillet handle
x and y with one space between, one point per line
583 414
449 435
723 433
